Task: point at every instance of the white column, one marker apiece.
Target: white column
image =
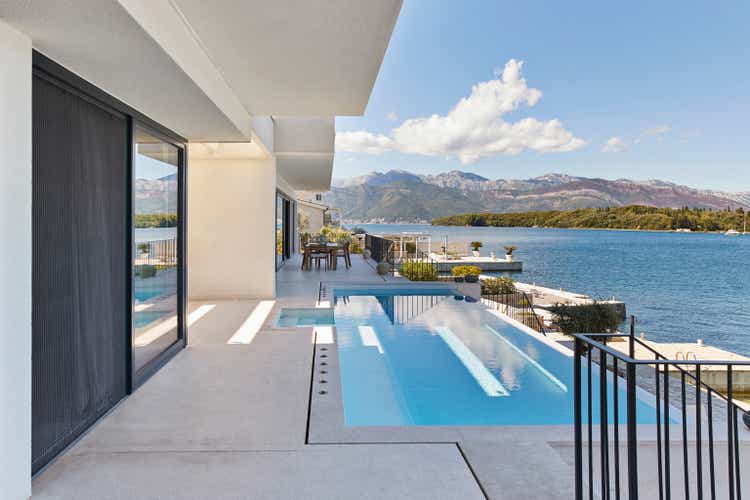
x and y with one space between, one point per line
231 228
15 264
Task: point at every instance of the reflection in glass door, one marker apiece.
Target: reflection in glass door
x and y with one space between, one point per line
284 229
279 230
156 221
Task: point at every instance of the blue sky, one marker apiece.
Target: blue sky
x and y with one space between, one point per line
148 168
666 83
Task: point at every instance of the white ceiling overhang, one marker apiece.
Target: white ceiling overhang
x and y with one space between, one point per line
292 57
306 173
102 43
207 69
304 148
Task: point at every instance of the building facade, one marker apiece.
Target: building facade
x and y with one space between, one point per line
150 154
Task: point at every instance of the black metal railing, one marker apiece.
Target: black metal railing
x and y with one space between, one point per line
417 268
517 305
410 262
381 249
156 252
680 437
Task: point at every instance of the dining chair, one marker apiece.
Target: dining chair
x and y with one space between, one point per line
343 251
318 257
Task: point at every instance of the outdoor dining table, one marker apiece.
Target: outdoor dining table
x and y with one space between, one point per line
330 248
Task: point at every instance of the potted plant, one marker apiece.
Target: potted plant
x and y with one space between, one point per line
468 273
475 246
509 252
147 271
383 268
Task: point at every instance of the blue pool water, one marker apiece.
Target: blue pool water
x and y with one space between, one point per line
292 317
144 294
429 357
143 318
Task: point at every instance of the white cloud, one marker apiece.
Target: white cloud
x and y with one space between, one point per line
658 130
614 145
362 141
657 133
392 116
474 128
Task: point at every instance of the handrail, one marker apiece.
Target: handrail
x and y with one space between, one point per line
586 337
539 322
381 249
593 348
516 300
163 251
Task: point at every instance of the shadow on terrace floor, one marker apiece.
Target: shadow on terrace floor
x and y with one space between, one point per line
227 418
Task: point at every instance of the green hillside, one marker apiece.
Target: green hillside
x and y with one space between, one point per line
629 217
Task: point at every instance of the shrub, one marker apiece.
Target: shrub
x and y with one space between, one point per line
154 220
476 245
147 271
355 246
144 247
333 233
419 270
464 270
498 286
586 318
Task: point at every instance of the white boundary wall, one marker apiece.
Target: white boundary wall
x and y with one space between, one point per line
15 264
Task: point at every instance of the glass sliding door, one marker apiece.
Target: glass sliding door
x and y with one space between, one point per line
284 229
157 298
279 230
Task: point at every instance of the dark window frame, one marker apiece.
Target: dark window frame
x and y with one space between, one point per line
138 377
44 67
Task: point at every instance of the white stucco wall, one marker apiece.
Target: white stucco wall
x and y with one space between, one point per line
231 229
315 215
15 264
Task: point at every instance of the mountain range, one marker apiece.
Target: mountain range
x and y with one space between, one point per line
400 196
154 196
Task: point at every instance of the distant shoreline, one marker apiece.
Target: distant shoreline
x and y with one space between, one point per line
353 224
627 218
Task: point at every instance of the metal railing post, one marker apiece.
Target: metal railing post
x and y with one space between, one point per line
632 438
632 336
577 420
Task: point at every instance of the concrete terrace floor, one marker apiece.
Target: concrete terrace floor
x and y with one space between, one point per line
230 420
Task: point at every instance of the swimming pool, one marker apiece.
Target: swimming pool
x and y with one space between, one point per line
304 316
428 356
144 318
144 294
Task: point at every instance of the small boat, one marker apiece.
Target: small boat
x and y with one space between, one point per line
733 232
